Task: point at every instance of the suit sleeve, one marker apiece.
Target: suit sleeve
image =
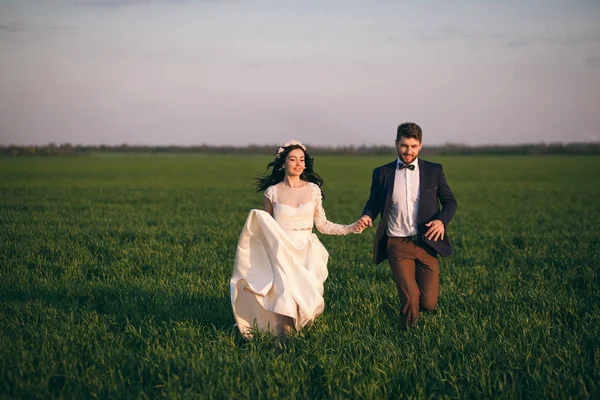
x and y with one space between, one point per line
372 207
446 198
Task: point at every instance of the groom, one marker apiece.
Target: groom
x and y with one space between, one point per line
408 193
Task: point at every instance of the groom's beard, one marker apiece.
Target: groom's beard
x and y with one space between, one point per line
409 157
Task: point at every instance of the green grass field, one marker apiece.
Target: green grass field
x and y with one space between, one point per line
115 284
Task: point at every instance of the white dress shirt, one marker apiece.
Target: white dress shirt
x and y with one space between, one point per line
402 219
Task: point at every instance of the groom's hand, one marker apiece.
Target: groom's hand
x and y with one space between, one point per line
435 231
365 221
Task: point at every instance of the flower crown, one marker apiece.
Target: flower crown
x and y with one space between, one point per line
281 149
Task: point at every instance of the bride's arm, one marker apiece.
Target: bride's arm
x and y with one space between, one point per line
327 227
269 198
267 205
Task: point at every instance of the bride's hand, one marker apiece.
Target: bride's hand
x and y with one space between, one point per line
358 227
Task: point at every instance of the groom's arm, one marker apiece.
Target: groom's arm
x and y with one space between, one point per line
372 207
446 198
437 226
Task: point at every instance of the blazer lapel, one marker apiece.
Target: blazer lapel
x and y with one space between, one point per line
422 177
390 178
391 174
423 185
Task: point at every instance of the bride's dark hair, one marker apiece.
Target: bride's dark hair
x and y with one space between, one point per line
278 172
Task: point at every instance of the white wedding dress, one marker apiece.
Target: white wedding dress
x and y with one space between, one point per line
280 264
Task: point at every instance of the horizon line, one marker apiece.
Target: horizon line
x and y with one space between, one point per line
251 145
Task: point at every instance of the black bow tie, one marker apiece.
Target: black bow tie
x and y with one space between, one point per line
407 166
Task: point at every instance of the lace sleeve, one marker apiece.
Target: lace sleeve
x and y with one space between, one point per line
323 225
271 194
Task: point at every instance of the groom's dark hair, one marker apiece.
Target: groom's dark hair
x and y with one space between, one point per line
409 130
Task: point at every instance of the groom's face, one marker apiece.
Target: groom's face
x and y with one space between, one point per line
408 149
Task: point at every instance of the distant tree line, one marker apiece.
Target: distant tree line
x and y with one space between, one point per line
67 149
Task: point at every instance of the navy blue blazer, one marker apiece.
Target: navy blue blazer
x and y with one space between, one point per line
434 191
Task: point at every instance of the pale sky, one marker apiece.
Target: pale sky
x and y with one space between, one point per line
238 72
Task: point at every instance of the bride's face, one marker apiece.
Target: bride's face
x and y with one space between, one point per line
294 163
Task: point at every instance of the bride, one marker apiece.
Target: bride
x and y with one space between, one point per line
280 264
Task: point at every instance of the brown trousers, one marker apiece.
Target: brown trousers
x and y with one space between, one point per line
417 276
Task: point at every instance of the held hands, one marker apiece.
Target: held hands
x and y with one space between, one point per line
363 223
357 228
436 230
